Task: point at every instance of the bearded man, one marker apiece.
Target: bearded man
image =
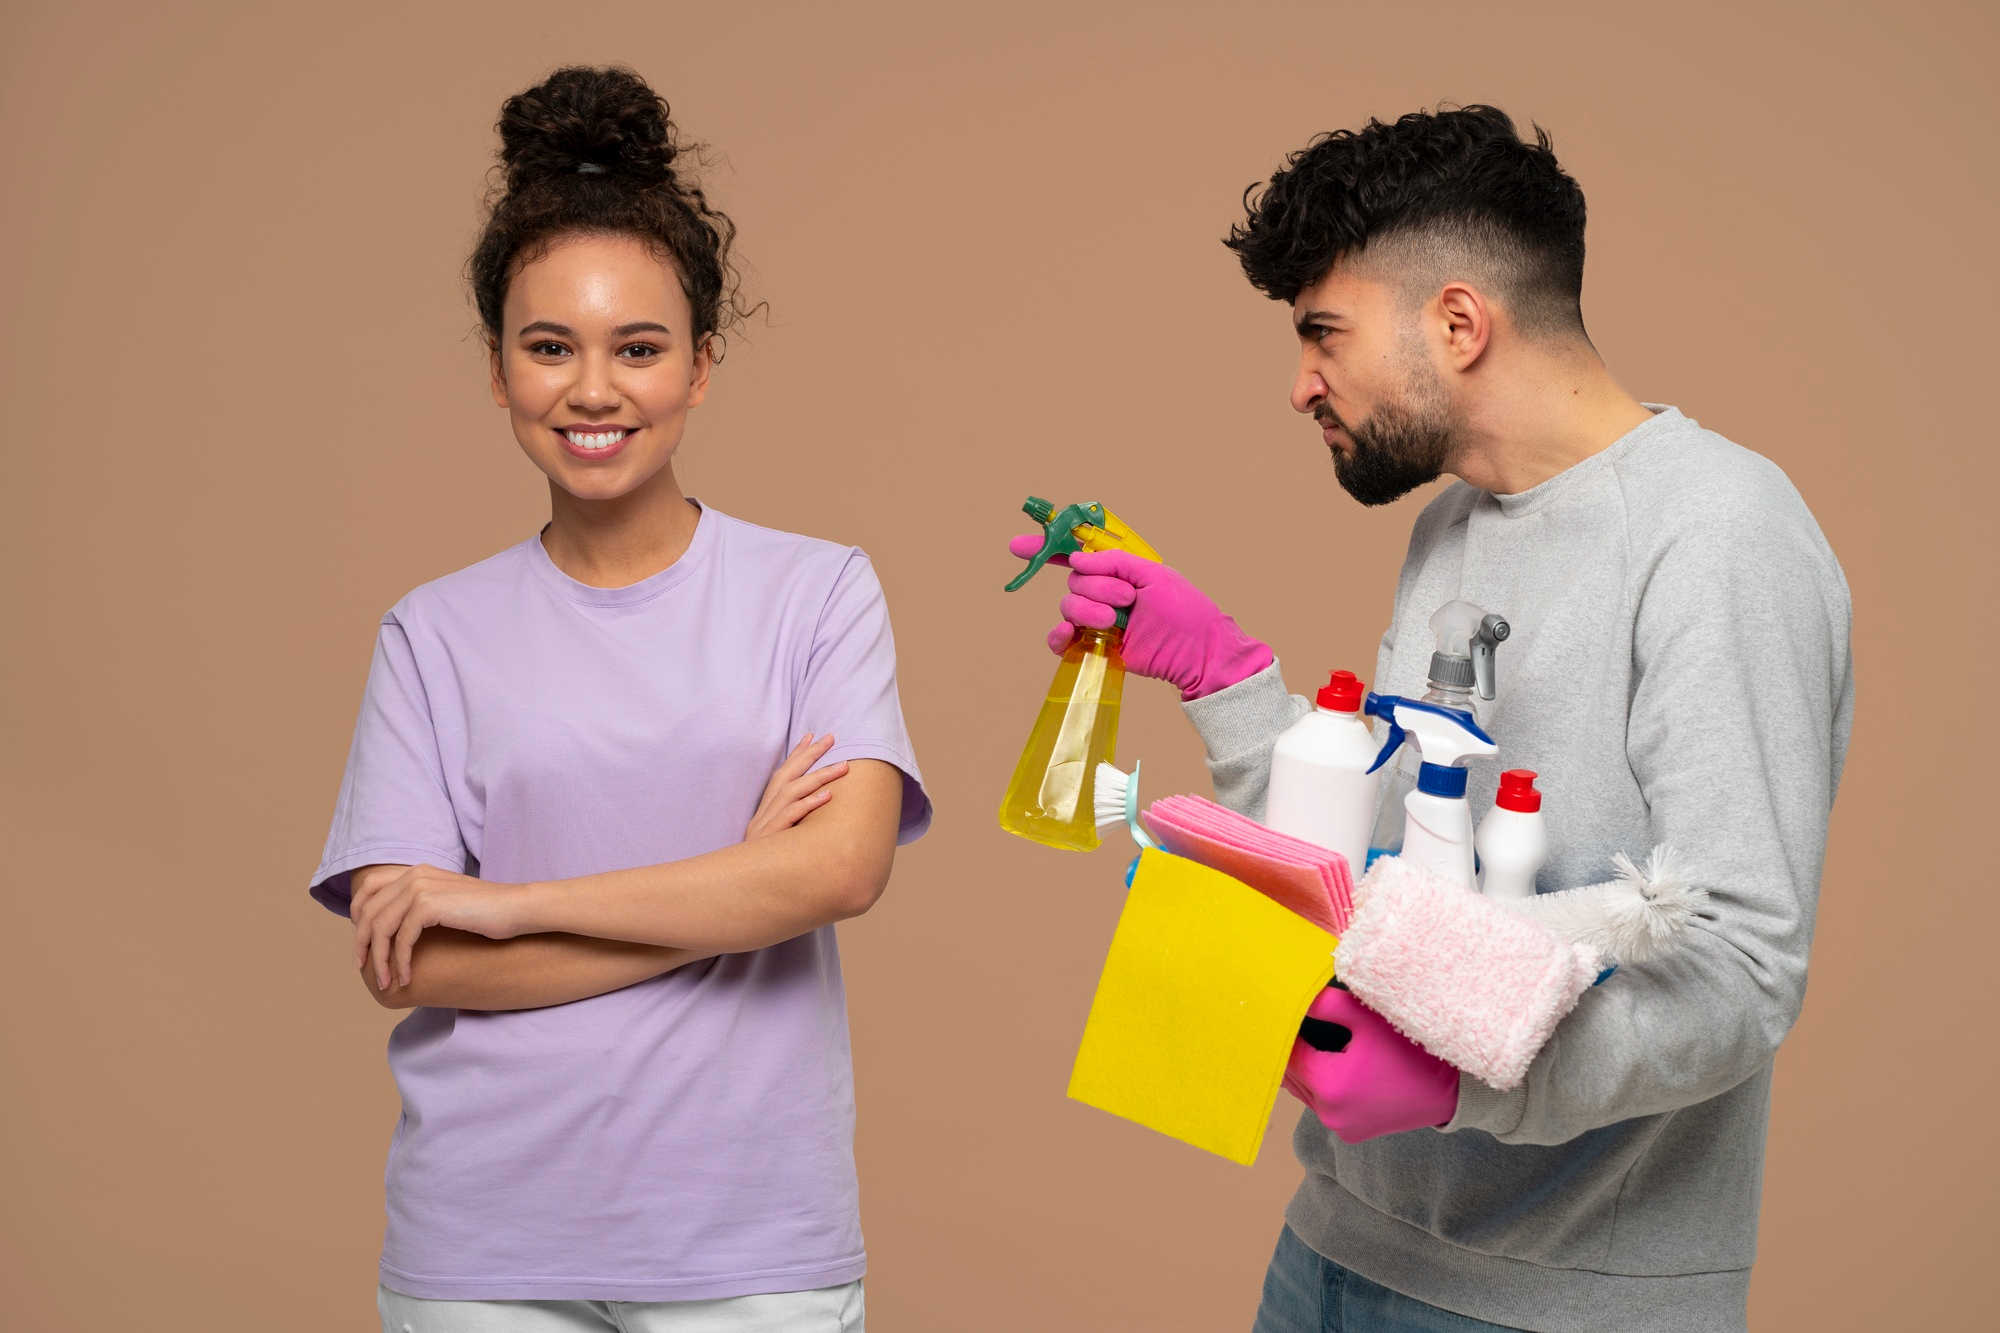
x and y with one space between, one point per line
1678 673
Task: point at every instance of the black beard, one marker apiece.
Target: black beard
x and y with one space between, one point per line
1395 451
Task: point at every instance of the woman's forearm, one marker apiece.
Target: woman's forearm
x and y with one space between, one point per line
453 969
830 866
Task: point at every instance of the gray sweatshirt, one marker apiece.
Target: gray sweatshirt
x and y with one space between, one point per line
1678 673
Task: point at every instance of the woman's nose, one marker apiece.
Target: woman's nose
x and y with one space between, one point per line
593 387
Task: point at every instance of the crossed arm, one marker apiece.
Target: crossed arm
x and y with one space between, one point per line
818 850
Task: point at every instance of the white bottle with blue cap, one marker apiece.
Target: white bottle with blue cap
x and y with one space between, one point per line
1437 828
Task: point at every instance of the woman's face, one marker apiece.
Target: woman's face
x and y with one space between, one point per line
597 365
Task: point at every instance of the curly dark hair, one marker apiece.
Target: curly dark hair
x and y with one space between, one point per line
593 151
1458 182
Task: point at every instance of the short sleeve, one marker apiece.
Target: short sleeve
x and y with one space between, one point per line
394 808
849 689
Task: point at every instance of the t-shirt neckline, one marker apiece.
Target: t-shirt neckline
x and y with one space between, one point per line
706 524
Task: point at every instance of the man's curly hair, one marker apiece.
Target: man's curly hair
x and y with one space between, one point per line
1452 192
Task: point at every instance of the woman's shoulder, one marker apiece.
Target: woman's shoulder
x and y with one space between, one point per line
476 587
788 556
754 540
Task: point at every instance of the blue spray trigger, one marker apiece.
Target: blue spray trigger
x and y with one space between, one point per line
1384 706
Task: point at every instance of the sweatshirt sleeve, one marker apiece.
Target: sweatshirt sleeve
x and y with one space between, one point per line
1238 726
1741 696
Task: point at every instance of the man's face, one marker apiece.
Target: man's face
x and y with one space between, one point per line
1365 375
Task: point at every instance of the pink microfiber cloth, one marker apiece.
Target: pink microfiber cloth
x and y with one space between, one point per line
1475 984
1310 880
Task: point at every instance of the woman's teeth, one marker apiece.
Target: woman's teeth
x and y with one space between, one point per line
602 439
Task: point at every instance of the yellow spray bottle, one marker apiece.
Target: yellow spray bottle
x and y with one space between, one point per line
1050 799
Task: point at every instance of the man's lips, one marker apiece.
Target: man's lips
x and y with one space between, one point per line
595 441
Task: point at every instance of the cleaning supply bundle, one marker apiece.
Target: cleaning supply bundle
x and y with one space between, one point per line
1482 982
1323 774
1462 672
1050 798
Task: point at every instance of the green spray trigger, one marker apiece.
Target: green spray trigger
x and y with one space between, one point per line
1058 533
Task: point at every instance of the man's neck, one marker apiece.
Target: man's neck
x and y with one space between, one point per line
1535 412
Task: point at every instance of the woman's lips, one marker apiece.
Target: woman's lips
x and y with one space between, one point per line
595 444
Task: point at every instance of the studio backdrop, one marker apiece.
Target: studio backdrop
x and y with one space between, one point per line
247 411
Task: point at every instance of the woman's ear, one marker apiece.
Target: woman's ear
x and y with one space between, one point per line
705 357
499 373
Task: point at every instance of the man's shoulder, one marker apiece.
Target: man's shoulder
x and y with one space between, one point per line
1724 516
1683 481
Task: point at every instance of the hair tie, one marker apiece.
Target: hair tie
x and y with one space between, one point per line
590 169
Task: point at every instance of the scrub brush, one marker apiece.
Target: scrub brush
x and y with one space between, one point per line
1634 917
1116 797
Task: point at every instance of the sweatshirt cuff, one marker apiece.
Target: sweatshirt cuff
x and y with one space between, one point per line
1246 716
1479 1107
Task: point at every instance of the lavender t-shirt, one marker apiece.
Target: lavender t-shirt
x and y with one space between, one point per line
691 1136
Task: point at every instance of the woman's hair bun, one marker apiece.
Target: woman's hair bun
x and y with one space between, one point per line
590 120
591 151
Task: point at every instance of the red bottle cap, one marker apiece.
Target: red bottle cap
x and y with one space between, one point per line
1342 693
1517 791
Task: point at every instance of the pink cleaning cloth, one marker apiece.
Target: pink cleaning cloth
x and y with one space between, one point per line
1309 880
1475 984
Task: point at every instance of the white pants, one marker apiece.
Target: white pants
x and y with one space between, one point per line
827 1310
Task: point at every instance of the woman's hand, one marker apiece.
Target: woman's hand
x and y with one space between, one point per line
391 910
793 793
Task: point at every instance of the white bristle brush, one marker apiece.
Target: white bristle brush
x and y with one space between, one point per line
1115 796
1630 919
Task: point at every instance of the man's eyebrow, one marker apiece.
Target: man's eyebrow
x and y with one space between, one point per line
547 326
1312 317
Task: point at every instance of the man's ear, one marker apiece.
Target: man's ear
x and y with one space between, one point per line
498 372
1466 323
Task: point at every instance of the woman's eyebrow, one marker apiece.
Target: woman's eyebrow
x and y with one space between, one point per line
643 326
547 326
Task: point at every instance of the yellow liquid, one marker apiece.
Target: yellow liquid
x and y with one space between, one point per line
1050 798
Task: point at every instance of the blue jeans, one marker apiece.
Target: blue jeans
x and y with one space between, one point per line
1305 1292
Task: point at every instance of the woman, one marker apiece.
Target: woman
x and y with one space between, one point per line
609 791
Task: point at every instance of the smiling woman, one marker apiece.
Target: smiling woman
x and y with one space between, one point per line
609 791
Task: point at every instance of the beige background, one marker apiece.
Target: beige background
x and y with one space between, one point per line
244 415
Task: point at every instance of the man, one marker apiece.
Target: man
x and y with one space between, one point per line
1678 673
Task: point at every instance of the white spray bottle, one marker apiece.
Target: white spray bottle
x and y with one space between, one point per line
1461 674
1437 824
1322 779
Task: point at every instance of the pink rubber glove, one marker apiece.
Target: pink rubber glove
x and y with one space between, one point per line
1382 1083
1175 634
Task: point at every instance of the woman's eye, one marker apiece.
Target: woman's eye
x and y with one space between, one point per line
548 349
639 352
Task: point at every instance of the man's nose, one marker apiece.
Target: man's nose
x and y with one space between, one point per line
1308 391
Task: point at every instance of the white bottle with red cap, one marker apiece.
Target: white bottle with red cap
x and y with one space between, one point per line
1512 842
1321 789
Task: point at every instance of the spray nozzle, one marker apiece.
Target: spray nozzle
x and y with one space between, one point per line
1059 535
1466 638
1445 737
1079 527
